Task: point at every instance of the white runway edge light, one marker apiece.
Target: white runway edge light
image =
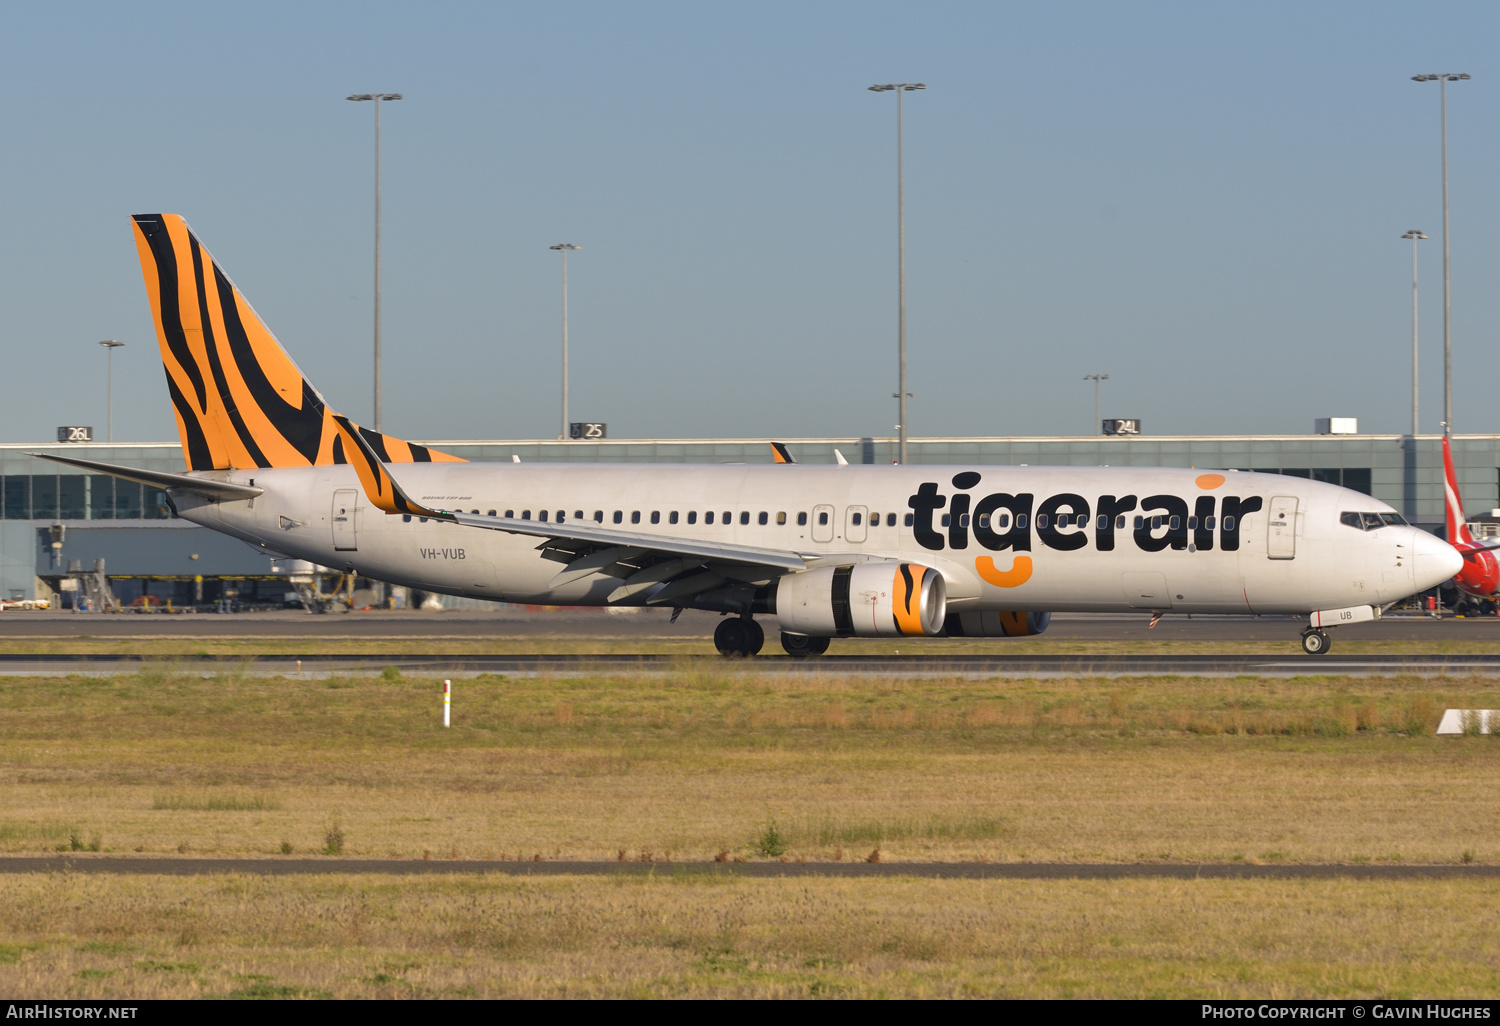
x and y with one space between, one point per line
447 700
1461 721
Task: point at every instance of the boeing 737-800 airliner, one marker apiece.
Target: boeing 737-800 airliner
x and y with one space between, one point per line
829 551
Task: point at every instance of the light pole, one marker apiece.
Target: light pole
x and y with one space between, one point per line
563 248
1096 378
110 345
902 394
377 97
1414 235
1443 81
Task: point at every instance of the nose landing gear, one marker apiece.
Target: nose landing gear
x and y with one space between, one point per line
737 636
1315 642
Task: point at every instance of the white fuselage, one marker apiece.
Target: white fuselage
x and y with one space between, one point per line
1251 543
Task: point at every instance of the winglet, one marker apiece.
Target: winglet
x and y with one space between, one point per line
780 453
380 488
840 457
1459 534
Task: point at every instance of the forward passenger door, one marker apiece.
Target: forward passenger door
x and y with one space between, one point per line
1281 527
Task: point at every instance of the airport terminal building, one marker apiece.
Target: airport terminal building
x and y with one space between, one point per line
58 524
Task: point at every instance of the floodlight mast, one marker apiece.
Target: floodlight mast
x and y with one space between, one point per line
563 248
377 98
1443 80
902 394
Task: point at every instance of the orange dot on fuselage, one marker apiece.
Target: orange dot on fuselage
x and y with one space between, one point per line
1209 481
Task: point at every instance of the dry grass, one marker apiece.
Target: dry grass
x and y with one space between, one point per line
384 937
697 763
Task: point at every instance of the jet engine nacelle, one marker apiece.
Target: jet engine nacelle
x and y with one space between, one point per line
995 624
866 600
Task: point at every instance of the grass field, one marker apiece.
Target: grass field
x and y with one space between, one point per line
383 937
698 765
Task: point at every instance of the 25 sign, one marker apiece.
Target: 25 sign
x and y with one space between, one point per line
587 430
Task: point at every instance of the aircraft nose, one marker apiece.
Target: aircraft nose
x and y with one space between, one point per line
1435 561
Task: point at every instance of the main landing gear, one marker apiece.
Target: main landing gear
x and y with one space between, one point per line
1315 642
800 646
739 636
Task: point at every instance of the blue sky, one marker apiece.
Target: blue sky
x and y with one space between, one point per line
1203 201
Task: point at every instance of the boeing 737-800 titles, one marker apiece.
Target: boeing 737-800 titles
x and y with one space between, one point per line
829 551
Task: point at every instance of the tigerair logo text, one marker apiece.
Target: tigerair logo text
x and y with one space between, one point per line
1067 521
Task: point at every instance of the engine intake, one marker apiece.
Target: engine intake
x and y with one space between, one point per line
866 600
995 624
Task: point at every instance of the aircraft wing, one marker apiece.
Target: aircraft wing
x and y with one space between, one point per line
684 566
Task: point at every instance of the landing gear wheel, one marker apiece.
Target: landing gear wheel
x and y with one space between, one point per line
1316 642
800 646
731 637
755 639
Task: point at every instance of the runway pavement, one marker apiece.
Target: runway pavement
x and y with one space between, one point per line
1028 666
1021 658
532 621
170 866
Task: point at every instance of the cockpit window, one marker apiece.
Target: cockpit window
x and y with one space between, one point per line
1372 521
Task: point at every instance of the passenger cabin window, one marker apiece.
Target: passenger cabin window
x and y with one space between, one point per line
542 515
963 520
1229 523
561 515
744 516
728 517
510 513
1002 521
598 516
635 516
910 519
890 520
692 516
822 519
854 519
1208 523
765 518
672 517
490 514
708 517
1175 523
578 514
619 517
656 516
1020 521
983 521
1192 523
780 518
801 519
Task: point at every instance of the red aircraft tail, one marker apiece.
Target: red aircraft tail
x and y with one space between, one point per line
1459 535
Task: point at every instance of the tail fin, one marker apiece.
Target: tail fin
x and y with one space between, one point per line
240 400
1458 529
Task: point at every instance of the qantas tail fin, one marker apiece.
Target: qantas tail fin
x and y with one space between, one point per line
1459 534
240 400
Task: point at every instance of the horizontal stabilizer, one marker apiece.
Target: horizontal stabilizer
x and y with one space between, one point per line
218 491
